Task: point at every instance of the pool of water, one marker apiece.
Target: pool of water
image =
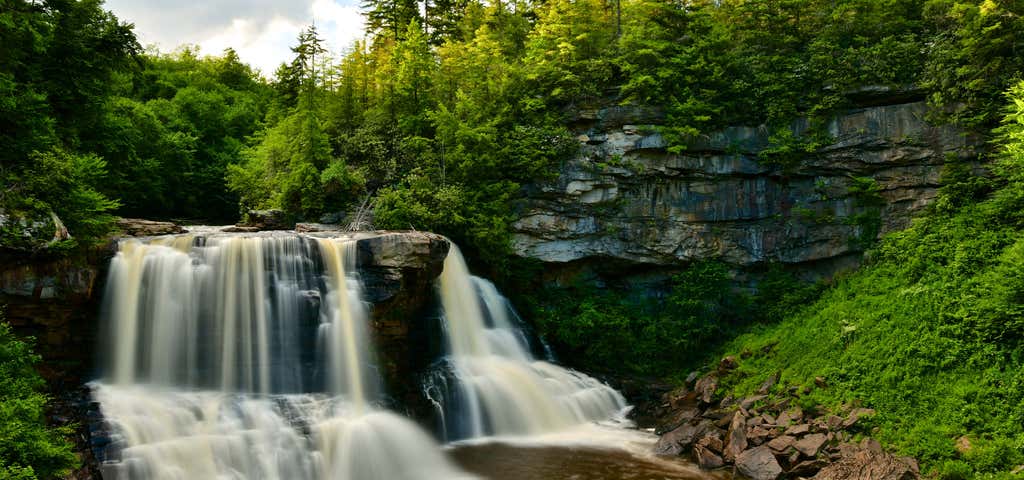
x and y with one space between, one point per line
591 453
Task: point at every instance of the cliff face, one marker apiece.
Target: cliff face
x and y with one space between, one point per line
625 199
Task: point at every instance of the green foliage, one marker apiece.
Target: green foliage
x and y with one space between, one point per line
641 332
28 449
929 333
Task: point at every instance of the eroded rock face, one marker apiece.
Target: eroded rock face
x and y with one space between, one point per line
135 227
624 197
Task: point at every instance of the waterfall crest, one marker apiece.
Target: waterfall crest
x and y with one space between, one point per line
495 386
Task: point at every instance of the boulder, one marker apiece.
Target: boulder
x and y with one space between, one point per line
706 458
136 227
317 227
782 444
855 415
736 440
867 465
798 429
811 444
681 439
758 464
706 388
675 419
806 468
272 219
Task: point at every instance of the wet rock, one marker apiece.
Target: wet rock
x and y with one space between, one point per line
867 465
758 464
677 418
706 458
272 219
317 227
679 440
135 227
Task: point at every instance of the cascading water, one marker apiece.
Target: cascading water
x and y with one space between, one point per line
493 385
247 357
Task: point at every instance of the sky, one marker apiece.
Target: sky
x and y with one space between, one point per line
261 31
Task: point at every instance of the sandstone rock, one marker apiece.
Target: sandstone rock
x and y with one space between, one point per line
867 465
317 227
240 229
736 440
807 468
798 429
706 458
706 388
135 227
679 440
871 445
758 464
712 440
676 419
811 444
790 416
758 435
272 219
717 199
782 444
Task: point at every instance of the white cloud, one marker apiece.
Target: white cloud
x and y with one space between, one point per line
261 31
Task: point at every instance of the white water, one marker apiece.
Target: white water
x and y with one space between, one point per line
499 388
247 358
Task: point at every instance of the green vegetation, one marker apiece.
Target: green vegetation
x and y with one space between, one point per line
28 450
449 108
627 331
930 333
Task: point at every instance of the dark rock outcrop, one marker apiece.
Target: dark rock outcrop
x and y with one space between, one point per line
625 199
135 227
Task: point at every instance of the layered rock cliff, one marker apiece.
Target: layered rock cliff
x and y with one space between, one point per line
625 199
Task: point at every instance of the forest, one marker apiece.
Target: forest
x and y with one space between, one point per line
446 109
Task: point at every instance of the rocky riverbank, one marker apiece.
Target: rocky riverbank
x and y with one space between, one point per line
771 434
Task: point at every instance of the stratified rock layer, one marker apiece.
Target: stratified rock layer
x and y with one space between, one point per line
625 197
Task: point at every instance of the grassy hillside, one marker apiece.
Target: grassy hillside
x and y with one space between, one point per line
931 332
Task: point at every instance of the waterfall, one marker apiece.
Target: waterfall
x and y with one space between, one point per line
493 384
247 357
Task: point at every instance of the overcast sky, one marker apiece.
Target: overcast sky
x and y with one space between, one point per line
261 31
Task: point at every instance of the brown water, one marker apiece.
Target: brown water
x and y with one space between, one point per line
499 461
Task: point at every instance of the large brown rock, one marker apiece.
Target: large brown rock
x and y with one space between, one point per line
868 465
706 388
681 439
758 464
736 440
706 458
135 227
811 444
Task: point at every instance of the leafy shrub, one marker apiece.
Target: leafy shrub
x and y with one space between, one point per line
28 449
